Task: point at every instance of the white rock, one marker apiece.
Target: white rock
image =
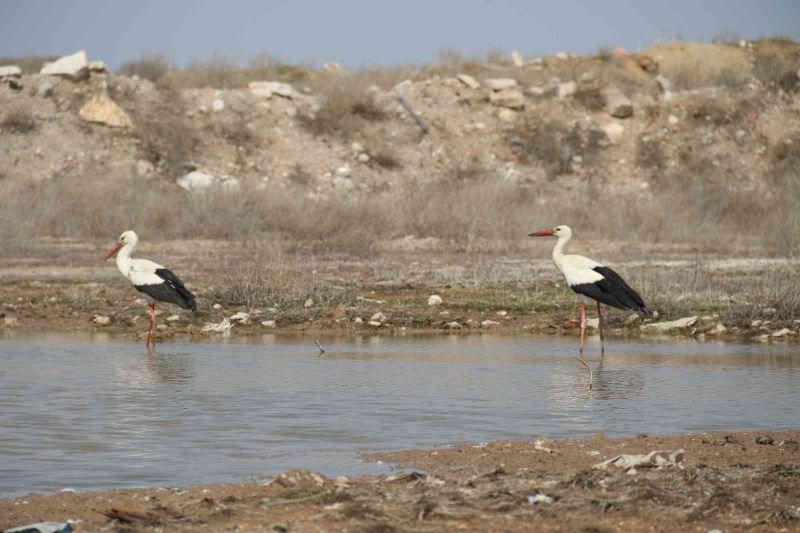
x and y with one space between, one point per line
216 306
617 104
266 89
144 167
10 71
222 327
673 120
240 317
103 110
269 324
535 90
363 157
453 325
332 66
664 83
489 323
434 299
614 131
343 185
218 105
173 318
562 55
670 325
74 67
516 59
501 313
718 329
509 116
469 81
567 89
510 98
358 320
374 323
98 66
357 147
500 84
344 171
782 332
308 303
540 498
198 181
593 323
101 320
378 317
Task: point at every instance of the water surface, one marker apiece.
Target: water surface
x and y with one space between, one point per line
88 414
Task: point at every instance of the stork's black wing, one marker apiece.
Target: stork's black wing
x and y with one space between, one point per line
172 290
611 290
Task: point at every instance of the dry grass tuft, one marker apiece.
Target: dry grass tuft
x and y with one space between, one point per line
28 64
552 144
153 67
347 107
18 121
591 96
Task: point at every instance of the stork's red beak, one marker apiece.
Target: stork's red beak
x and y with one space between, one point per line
113 251
543 233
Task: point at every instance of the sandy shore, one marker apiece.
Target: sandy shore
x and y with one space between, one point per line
725 481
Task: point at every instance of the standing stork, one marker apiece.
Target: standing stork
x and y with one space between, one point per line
155 282
592 281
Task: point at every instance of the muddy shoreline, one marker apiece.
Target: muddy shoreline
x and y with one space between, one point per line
742 481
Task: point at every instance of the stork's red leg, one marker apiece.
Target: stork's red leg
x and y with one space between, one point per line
600 325
151 337
583 325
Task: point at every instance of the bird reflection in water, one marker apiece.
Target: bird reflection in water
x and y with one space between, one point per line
170 368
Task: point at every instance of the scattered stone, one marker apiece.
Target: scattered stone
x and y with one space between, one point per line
567 89
617 104
516 59
509 116
378 317
344 171
614 131
74 67
269 324
357 147
224 326
434 299
562 55
718 329
268 89
45 89
782 332
43 527
469 81
144 167
363 157
218 105
670 325
374 323
308 303
664 84
765 440
216 306
358 320
300 478
101 320
654 459
10 71
103 110
344 185
510 98
173 318
489 323
10 321
332 66
241 318
501 313
453 325
98 67
540 498
535 90
500 84
197 181
593 323
673 120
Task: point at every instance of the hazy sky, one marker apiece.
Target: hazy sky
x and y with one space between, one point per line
371 32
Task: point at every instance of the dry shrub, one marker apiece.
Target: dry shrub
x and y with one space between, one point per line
348 105
384 158
28 64
18 121
153 67
224 73
235 130
552 144
770 69
166 138
650 154
591 96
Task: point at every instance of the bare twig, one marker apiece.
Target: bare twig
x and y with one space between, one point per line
321 349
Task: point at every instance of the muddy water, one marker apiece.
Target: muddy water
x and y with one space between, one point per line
89 413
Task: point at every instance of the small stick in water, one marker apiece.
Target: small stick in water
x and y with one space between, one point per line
322 350
587 368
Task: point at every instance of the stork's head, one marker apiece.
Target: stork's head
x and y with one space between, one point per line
558 231
127 238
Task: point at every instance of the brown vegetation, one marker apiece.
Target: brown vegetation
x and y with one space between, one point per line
152 68
18 121
348 104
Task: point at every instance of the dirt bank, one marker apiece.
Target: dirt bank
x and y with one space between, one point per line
726 482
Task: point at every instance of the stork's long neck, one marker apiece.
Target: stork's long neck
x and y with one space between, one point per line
558 251
124 258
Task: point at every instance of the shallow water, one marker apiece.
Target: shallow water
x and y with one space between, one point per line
87 414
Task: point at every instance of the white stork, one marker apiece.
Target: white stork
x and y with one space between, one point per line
155 282
591 280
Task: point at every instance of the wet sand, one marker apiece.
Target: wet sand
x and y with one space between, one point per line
726 481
